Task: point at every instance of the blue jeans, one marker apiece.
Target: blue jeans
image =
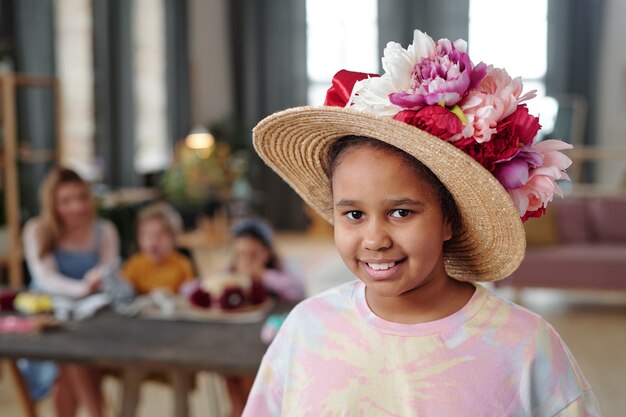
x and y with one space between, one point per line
39 376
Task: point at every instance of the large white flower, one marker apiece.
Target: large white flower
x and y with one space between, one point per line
372 95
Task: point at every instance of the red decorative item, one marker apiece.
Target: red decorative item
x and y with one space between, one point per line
7 297
232 298
200 298
343 83
258 292
534 214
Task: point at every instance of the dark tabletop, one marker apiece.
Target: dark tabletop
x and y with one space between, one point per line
109 339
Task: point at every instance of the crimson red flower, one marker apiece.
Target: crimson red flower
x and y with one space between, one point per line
436 120
514 132
534 214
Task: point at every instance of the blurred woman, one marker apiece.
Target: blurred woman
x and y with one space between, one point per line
68 250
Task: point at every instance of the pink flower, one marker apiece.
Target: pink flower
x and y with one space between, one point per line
541 185
515 132
443 77
496 98
515 172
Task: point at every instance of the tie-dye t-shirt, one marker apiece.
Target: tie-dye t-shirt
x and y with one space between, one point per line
334 357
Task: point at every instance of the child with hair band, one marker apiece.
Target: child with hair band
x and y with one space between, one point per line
427 173
158 264
256 257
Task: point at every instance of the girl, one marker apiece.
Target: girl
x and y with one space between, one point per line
67 250
424 207
255 256
158 264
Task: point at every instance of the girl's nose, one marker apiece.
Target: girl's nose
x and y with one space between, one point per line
376 236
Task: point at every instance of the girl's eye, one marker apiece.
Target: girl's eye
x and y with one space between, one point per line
354 215
399 213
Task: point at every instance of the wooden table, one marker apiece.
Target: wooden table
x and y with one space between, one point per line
137 346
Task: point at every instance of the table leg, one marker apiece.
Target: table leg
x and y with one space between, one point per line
181 382
131 383
214 388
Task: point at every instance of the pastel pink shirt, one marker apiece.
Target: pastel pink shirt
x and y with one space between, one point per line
335 357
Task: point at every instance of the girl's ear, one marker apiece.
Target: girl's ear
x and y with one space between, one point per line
447 230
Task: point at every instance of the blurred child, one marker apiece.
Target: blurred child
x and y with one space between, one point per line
158 264
255 256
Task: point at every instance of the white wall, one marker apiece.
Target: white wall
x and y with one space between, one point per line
210 82
74 60
611 129
150 92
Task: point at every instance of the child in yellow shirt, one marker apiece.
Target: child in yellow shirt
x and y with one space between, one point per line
158 264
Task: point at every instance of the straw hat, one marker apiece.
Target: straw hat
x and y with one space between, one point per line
495 171
295 142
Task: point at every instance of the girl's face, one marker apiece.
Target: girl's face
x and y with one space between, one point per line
389 227
251 256
73 204
155 239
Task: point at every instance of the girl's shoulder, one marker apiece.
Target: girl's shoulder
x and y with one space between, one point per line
504 316
335 300
31 235
31 226
516 315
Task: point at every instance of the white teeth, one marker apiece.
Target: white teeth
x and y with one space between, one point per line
381 267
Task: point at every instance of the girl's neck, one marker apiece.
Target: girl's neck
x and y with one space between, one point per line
433 300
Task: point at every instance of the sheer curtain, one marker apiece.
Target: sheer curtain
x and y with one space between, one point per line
113 84
439 18
268 44
574 46
35 55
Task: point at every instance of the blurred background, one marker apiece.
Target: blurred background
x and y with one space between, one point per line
152 99
135 78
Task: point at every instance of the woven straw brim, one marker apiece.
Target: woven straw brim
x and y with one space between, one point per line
294 143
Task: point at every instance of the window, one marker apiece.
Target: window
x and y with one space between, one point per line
340 35
518 43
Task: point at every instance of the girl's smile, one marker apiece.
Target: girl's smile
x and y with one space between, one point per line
382 269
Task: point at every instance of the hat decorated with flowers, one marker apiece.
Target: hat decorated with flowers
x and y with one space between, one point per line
469 124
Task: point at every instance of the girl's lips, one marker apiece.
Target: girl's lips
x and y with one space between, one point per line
382 273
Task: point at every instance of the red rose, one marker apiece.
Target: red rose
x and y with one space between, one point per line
436 120
513 133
